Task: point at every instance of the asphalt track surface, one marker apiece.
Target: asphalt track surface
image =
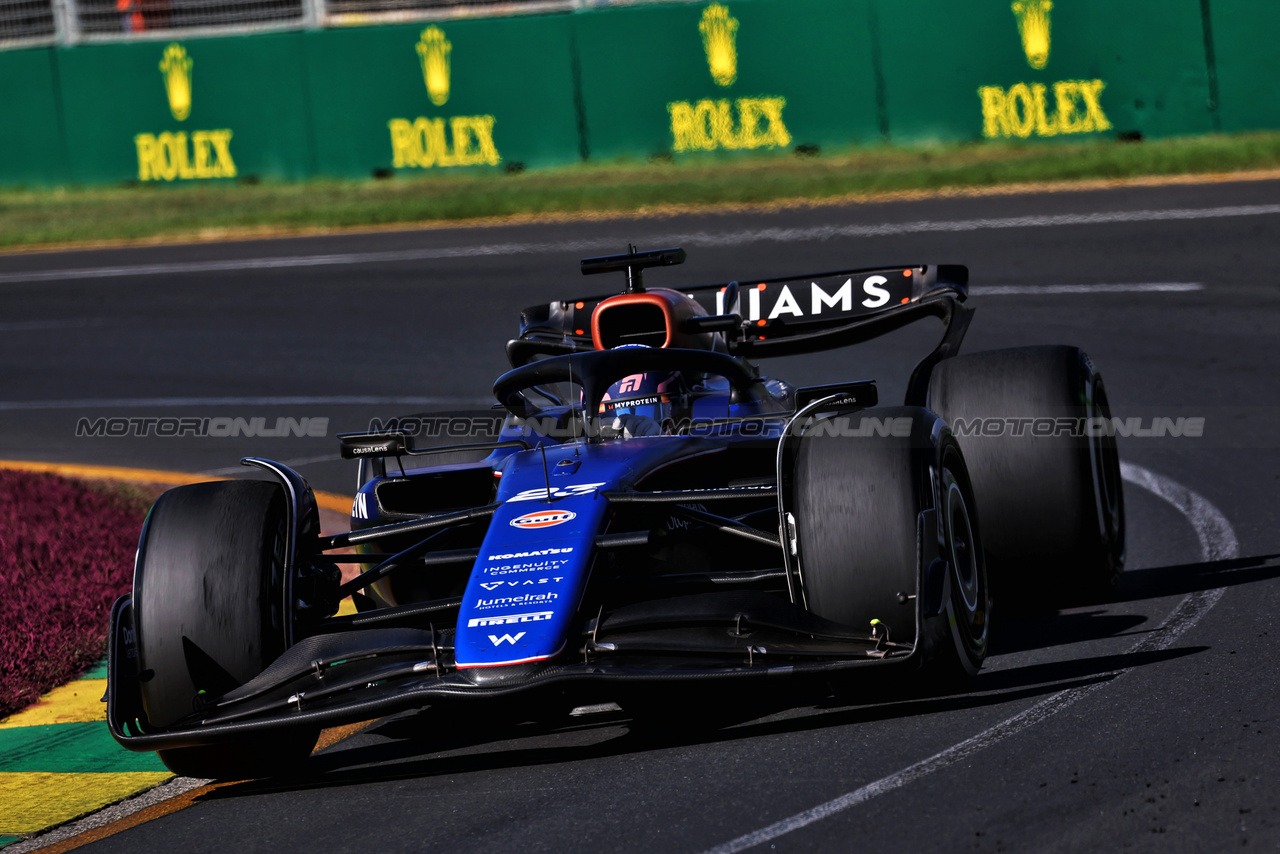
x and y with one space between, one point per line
1146 724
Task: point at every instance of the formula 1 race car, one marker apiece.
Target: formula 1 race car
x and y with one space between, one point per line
648 510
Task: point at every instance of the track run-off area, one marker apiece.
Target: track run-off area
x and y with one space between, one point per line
1146 723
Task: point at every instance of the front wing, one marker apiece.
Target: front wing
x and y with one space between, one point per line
359 674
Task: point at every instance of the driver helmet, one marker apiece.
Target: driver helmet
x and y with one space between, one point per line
658 397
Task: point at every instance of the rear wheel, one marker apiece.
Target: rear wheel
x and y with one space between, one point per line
858 502
1046 474
210 612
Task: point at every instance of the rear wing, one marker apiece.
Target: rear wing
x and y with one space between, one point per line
775 317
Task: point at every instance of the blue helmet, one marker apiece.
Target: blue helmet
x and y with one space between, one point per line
656 395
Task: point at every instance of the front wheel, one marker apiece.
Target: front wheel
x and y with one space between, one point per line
211 613
866 491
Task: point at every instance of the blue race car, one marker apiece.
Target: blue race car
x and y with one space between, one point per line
642 509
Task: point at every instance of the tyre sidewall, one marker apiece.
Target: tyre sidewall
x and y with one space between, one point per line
208 593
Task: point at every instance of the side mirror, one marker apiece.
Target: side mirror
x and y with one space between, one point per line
354 446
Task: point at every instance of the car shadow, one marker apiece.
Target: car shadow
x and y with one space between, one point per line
1196 577
415 749
430 743
1040 630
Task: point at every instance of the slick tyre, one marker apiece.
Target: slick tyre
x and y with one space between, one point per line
858 502
210 611
1047 484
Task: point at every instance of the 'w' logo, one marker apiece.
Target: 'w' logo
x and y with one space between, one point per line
499 641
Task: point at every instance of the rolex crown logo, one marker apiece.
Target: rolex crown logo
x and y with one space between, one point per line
176 68
719 31
1033 25
433 51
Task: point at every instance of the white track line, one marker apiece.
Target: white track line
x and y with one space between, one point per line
1136 287
1217 542
1217 539
698 238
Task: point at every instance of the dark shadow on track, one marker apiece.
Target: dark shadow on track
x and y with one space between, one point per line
412 744
1034 630
1195 577
1023 633
418 740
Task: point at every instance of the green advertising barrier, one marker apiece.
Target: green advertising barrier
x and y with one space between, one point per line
31 142
1246 36
1033 69
743 75
495 92
679 79
186 110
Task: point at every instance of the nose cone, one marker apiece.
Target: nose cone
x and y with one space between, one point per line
508 674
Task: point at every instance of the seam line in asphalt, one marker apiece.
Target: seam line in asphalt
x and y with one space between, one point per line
1217 542
694 238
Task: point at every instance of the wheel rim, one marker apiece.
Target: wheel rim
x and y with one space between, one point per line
968 574
1106 472
960 547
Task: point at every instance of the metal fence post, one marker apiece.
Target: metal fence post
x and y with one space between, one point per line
314 13
66 27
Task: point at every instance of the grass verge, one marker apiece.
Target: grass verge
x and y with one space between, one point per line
184 212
